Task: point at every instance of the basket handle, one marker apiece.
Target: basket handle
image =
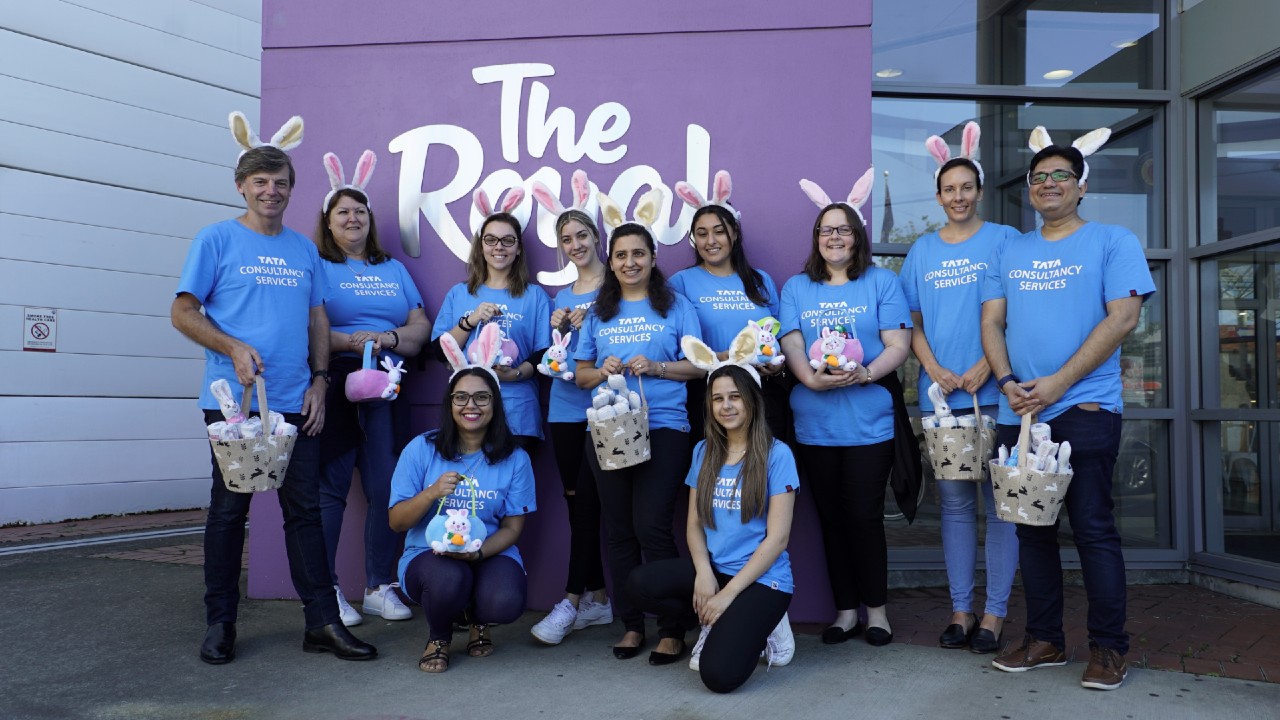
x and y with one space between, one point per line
1024 440
367 363
982 430
261 383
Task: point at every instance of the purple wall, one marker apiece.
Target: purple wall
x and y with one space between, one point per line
696 86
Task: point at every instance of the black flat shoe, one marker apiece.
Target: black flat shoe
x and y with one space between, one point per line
984 641
337 639
661 658
219 646
955 636
834 635
878 636
625 652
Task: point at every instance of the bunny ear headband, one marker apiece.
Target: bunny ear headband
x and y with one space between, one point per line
337 178
548 199
721 189
485 351
1087 144
857 196
646 210
937 147
510 199
742 352
288 137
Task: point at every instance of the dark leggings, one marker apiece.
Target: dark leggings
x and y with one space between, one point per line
586 570
848 485
638 504
493 589
733 646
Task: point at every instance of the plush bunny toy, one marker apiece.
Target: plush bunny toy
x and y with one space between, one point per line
555 362
937 147
834 349
456 533
768 351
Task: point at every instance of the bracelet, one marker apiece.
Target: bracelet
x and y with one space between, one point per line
662 370
321 374
462 323
1005 380
519 373
394 336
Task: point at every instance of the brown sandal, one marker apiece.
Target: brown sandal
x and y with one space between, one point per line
481 645
441 653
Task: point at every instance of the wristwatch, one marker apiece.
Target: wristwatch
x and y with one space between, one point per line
1005 380
320 373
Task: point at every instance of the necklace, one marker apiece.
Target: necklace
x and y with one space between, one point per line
364 268
735 454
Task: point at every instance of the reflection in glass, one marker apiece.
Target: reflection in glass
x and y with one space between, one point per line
1142 355
1245 137
1140 484
1248 308
1243 477
1121 188
1039 43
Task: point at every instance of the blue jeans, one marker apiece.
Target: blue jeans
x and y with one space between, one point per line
960 546
303 538
1095 443
375 455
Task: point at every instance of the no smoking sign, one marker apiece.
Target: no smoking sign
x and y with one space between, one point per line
40 330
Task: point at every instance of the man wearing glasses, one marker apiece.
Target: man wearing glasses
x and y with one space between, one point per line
1057 303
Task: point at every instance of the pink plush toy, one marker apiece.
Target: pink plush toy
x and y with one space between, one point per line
370 384
834 349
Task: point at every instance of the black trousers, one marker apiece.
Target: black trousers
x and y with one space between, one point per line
586 569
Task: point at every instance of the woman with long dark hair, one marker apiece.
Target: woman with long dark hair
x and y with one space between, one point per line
634 328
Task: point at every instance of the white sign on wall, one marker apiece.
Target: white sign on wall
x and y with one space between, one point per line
40 329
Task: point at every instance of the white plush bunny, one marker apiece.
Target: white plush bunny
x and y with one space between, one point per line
337 178
1087 144
394 373
555 362
288 137
858 196
937 147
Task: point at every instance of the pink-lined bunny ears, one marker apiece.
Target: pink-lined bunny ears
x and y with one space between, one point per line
485 351
1087 144
721 189
742 352
858 196
581 194
938 148
510 199
288 137
337 178
646 212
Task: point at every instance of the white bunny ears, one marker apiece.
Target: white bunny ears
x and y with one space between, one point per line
337 178
548 199
858 196
510 199
646 212
288 137
1087 144
742 352
485 351
937 147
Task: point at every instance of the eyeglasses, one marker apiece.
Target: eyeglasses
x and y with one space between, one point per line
1057 175
481 399
828 231
506 240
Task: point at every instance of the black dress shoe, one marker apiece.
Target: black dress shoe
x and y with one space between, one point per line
219 646
661 658
984 641
626 652
878 636
337 639
834 635
955 636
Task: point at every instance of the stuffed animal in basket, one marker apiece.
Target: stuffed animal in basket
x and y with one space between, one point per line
613 399
768 351
555 362
835 350
454 532
370 384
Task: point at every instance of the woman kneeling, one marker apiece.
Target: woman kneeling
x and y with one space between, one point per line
738 578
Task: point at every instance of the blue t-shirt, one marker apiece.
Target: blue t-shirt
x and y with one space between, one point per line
568 402
943 282
1056 294
722 304
857 414
505 489
638 329
258 289
377 299
527 321
732 543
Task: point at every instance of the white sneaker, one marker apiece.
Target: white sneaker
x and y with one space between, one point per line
346 613
780 648
558 623
695 657
385 601
591 613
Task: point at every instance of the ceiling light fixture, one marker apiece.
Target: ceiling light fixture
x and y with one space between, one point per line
1122 44
1059 74
888 73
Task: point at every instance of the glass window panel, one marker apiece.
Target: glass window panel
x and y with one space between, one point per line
1241 482
1140 484
1121 175
1142 355
1040 43
1244 150
1246 313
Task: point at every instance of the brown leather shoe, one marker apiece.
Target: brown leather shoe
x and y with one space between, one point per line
1106 671
1031 654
